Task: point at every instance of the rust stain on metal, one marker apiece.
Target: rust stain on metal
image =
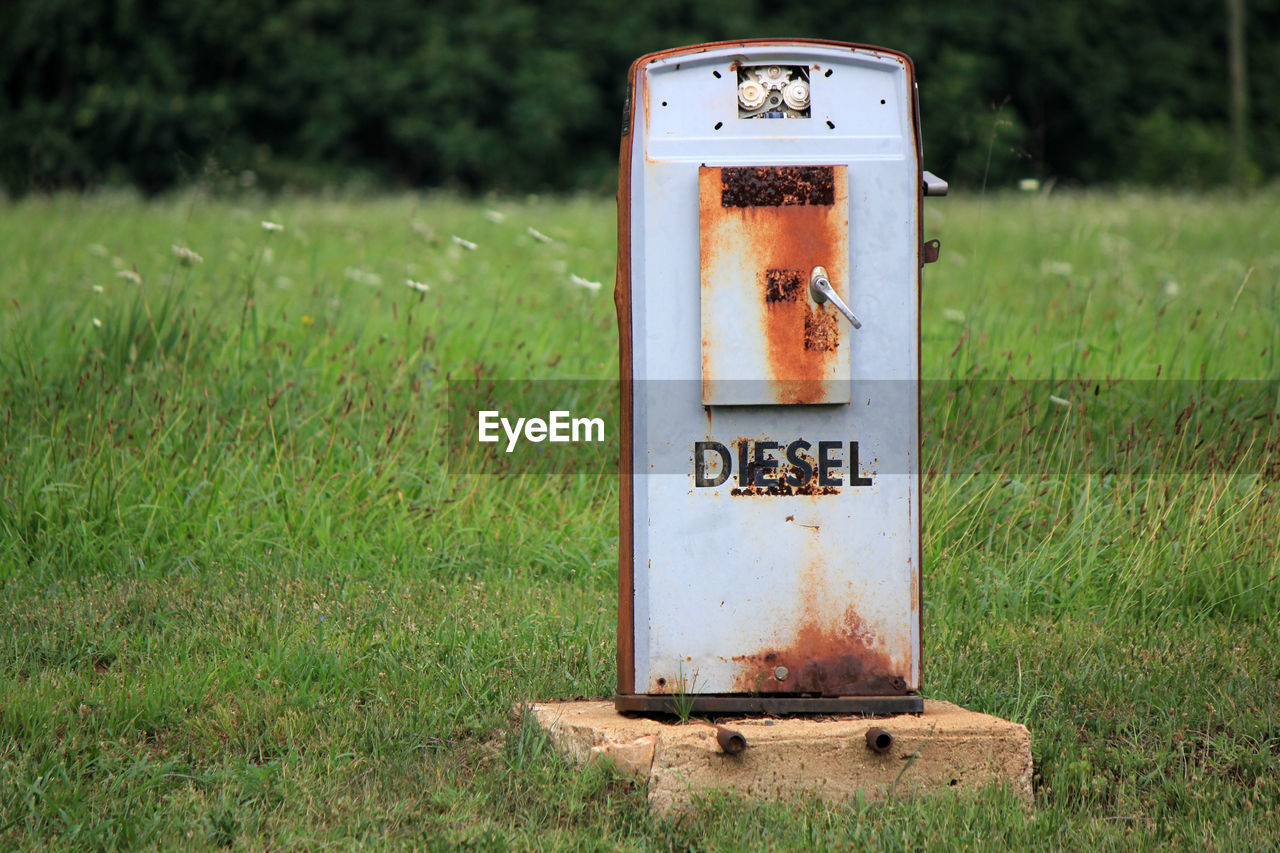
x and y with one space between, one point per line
707 369
789 324
828 657
835 660
763 230
785 480
783 490
777 186
821 332
783 285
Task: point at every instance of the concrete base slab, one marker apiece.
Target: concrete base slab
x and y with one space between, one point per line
945 749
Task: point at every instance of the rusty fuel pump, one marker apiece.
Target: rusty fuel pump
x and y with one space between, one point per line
770 255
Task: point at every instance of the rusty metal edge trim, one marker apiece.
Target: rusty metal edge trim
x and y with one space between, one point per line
917 497
773 42
622 304
872 706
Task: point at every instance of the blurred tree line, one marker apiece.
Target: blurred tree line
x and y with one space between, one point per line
521 95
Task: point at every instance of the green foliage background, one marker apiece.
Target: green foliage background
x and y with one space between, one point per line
518 95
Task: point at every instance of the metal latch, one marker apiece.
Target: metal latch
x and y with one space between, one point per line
933 185
821 290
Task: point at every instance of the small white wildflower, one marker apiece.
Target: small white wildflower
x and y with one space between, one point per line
268 225
130 275
1028 185
1058 401
363 276
185 254
466 244
420 286
98 250
538 235
97 324
952 314
494 215
582 282
97 288
1171 288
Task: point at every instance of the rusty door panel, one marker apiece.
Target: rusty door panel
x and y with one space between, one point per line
762 231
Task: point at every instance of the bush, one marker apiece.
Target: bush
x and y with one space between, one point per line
524 96
1183 153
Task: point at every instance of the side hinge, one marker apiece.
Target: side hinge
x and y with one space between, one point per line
929 251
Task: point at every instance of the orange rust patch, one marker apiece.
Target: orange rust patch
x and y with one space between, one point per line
834 660
783 285
797 244
774 186
763 230
783 489
821 332
828 657
780 489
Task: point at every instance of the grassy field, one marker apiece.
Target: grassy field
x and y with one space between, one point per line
245 601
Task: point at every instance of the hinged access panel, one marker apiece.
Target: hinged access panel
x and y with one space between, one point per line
763 230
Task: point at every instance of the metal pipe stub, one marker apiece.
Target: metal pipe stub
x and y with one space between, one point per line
732 742
879 740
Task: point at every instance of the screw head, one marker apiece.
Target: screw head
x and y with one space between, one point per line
781 673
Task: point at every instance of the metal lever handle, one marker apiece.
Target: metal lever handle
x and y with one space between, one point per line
821 290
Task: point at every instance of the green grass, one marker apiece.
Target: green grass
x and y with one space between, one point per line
245 601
